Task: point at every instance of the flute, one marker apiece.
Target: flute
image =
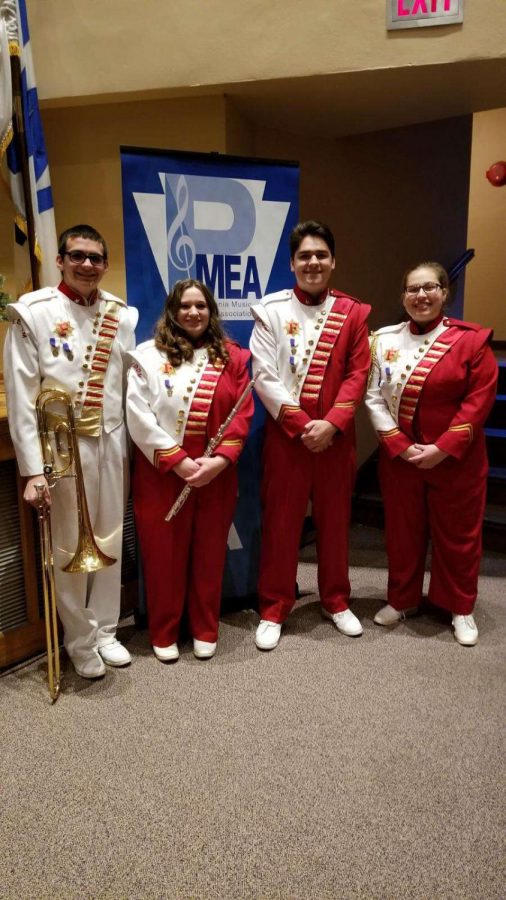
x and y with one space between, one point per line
213 443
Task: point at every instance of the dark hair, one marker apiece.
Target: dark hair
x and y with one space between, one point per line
172 339
441 274
313 228
80 231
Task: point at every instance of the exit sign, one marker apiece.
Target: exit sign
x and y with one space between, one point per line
416 13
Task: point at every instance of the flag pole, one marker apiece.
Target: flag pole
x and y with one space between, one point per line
20 137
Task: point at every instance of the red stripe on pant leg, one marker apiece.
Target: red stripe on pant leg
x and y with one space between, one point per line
406 530
214 510
286 486
334 473
164 548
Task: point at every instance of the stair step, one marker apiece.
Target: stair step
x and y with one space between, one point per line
501 386
495 432
496 450
497 417
496 515
496 491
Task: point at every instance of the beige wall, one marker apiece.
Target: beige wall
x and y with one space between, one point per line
392 197
486 279
83 147
83 151
125 45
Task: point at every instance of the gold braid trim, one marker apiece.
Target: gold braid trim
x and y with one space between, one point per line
374 356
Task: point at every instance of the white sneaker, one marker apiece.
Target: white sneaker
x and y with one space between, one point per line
89 666
115 654
166 654
346 622
387 615
465 630
267 635
203 649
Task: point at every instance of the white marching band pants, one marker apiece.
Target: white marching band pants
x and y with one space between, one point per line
89 604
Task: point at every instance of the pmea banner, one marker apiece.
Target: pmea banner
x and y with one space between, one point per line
226 221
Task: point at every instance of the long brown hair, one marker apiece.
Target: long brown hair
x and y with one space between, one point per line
172 339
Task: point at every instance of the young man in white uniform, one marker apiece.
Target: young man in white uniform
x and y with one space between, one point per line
74 337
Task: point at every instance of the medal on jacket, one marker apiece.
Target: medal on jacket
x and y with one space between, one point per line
293 351
63 330
390 355
292 328
168 369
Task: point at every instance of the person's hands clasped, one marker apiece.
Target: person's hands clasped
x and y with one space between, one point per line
31 495
410 453
186 468
318 435
426 456
208 467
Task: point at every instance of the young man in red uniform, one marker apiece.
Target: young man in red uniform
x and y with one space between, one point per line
310 348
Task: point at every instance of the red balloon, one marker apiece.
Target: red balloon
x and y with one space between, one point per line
497 174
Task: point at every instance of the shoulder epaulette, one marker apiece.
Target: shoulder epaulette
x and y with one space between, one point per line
230 344
334 293
277 297
105 295
389 329
145 346
45 293
458 323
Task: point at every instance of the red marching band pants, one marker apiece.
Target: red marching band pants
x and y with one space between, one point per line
292 475
445 503
183 560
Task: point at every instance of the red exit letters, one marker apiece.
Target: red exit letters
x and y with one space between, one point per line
404 8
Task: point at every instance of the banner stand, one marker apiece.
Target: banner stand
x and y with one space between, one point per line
224 220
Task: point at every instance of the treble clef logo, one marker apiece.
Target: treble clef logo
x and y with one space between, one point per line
180 246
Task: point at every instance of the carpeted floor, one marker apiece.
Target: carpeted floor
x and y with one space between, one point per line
329 768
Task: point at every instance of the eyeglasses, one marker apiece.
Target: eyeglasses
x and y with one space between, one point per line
430 287
79 256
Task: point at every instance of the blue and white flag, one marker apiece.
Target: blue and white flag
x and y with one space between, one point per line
5 91
14 26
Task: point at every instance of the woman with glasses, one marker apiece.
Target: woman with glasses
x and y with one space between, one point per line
431 387
181 387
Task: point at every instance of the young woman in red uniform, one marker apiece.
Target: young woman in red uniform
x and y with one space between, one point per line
181 387
432 385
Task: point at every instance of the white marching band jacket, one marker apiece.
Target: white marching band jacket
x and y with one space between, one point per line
56 343
283 343
395 353
160 408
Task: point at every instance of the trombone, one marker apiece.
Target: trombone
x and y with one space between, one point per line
49 592
60 426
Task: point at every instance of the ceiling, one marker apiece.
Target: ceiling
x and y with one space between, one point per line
356 102
346 103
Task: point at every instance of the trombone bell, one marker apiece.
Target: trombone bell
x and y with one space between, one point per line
88 557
